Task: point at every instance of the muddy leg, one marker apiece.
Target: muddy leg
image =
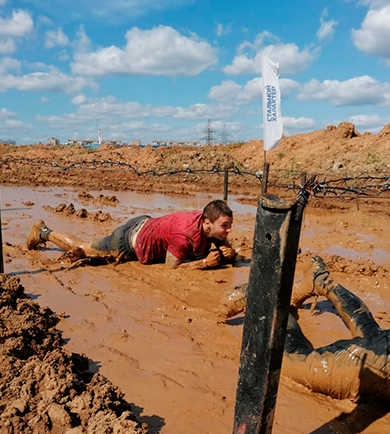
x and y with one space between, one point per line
70 242
296 342
351 308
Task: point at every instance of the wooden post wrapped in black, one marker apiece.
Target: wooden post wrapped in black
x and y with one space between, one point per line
275 246
225 185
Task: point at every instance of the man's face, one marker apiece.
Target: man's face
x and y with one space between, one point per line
221 228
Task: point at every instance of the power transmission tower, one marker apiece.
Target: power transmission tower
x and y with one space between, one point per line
224 135
209 134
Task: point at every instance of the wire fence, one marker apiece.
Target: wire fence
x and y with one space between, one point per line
320 185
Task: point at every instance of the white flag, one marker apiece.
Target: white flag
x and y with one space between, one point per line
272 115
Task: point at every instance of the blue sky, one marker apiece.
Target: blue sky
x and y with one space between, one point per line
159 69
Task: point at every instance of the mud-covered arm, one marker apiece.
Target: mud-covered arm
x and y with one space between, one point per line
211 261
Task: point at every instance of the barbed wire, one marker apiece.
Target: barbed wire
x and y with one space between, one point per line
361 185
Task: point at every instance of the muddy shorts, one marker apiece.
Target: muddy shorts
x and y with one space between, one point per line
120 240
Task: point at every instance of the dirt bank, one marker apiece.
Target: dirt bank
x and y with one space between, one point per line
45 388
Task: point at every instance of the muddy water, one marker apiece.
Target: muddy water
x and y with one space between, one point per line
155 332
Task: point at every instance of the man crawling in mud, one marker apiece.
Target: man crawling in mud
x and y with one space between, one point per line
181 239
357 368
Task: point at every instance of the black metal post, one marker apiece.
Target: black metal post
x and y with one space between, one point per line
225 184
277 231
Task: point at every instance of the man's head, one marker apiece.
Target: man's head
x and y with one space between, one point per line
217 220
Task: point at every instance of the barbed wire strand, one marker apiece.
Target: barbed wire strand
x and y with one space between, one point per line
361 185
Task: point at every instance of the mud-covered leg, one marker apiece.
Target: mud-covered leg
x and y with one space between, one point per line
296 342
351 308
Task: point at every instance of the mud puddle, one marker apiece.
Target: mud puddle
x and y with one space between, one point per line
153 332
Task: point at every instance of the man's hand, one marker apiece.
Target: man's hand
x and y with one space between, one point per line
212 259
228 252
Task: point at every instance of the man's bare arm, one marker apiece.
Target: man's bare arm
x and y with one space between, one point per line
212 260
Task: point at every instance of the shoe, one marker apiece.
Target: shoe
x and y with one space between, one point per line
320 276
233 301
312 283
34 239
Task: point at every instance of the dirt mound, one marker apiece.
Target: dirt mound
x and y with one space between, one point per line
339 264
45 389
82 213
101 199
180 170
385 131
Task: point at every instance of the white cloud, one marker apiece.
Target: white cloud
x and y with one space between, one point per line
54 80
205 111
355 91
218 126
228 90
290 58
7 46
114 109
223 29
54 38
113 11
9 64
108 11
37 66
79 99
46 21
234 93
326 30
4 113
374 35
44 99
298 123
140 126
63 56
20 24
369 121
82 43
12 124
164 111
117 118
159 51
374 3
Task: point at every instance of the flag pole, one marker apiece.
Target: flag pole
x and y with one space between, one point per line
265 174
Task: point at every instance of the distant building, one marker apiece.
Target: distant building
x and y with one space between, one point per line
53 141
156 143
92 142
115 142
136 142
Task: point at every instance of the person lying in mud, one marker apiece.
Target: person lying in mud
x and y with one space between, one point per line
181 239
357 368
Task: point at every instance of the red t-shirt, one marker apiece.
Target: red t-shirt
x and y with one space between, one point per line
179 233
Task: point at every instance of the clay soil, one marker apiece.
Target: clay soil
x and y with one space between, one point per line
155 333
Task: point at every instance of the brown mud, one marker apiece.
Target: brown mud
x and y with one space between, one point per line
45 388
156 333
